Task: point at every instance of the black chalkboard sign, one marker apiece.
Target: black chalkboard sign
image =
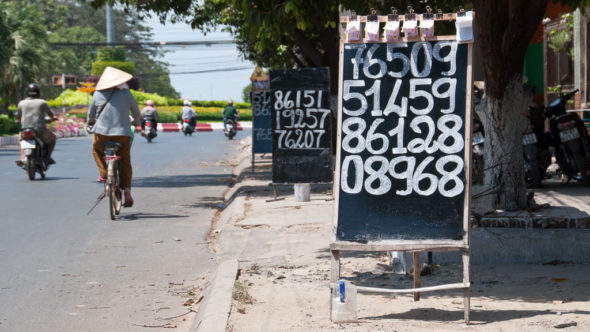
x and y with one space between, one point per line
301 126
402 141
261 122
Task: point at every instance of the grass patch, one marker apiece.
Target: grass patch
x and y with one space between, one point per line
241 294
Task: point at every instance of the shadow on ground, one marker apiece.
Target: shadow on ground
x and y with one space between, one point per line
143 216
208 202
477 317
182 181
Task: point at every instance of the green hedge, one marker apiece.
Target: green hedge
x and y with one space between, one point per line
143 97
99 66
172 113
8 126
111 54
218 103
74 97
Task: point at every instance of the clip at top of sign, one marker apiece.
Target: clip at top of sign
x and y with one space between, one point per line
392 28
353 28
427 25
372 27
464 25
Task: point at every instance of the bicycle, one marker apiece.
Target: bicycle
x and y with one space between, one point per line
112 187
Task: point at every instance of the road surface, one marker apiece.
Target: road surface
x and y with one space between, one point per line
64 270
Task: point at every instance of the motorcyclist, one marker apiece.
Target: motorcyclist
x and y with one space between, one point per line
230 112
187 112
108 114
149 112
31 114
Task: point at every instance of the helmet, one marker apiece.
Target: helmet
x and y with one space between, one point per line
230 103
150 103
187 103
33 90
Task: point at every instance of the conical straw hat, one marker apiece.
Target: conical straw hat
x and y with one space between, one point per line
111 77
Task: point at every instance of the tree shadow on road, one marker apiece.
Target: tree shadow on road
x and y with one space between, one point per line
208 202
183 181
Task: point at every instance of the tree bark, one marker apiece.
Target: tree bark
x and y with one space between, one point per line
504 29
504 122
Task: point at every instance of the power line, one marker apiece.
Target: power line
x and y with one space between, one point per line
197 72
139 44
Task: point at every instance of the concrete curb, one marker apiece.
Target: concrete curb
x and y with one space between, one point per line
202 126
216 311
218 303
13 140
9 140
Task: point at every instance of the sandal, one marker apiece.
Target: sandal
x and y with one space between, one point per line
128 200
102 179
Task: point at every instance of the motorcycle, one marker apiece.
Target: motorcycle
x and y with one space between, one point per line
230 129
150 132
187 127
570 139
477 157
36 154
478 139
537 156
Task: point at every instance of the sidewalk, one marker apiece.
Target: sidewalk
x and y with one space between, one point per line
281 247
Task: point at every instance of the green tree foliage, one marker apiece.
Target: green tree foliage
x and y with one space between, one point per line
23 52
77 22
302 33
246 93
112 57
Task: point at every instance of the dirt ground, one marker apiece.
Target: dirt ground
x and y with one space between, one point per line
284 259
503 298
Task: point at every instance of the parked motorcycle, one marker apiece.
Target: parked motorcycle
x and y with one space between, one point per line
537 156
150 132
477 156
188 128
230 129
570 139
36 154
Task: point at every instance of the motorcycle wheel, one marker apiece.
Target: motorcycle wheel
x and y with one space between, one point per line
536 176
149 138
30 165
584 168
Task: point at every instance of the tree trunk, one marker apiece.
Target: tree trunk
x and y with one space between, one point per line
504 29
504 122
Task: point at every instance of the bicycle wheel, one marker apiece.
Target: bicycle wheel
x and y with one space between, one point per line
112 189
118 191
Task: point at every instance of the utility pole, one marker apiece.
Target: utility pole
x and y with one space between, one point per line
110 24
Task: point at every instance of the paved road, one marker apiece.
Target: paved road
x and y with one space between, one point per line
63 270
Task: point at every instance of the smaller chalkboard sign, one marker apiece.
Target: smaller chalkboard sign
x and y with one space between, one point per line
261 122
301 125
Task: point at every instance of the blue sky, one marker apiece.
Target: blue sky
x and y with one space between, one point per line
221 85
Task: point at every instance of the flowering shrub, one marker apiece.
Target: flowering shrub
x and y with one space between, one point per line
67 126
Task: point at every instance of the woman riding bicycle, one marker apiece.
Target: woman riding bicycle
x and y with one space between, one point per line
108 114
